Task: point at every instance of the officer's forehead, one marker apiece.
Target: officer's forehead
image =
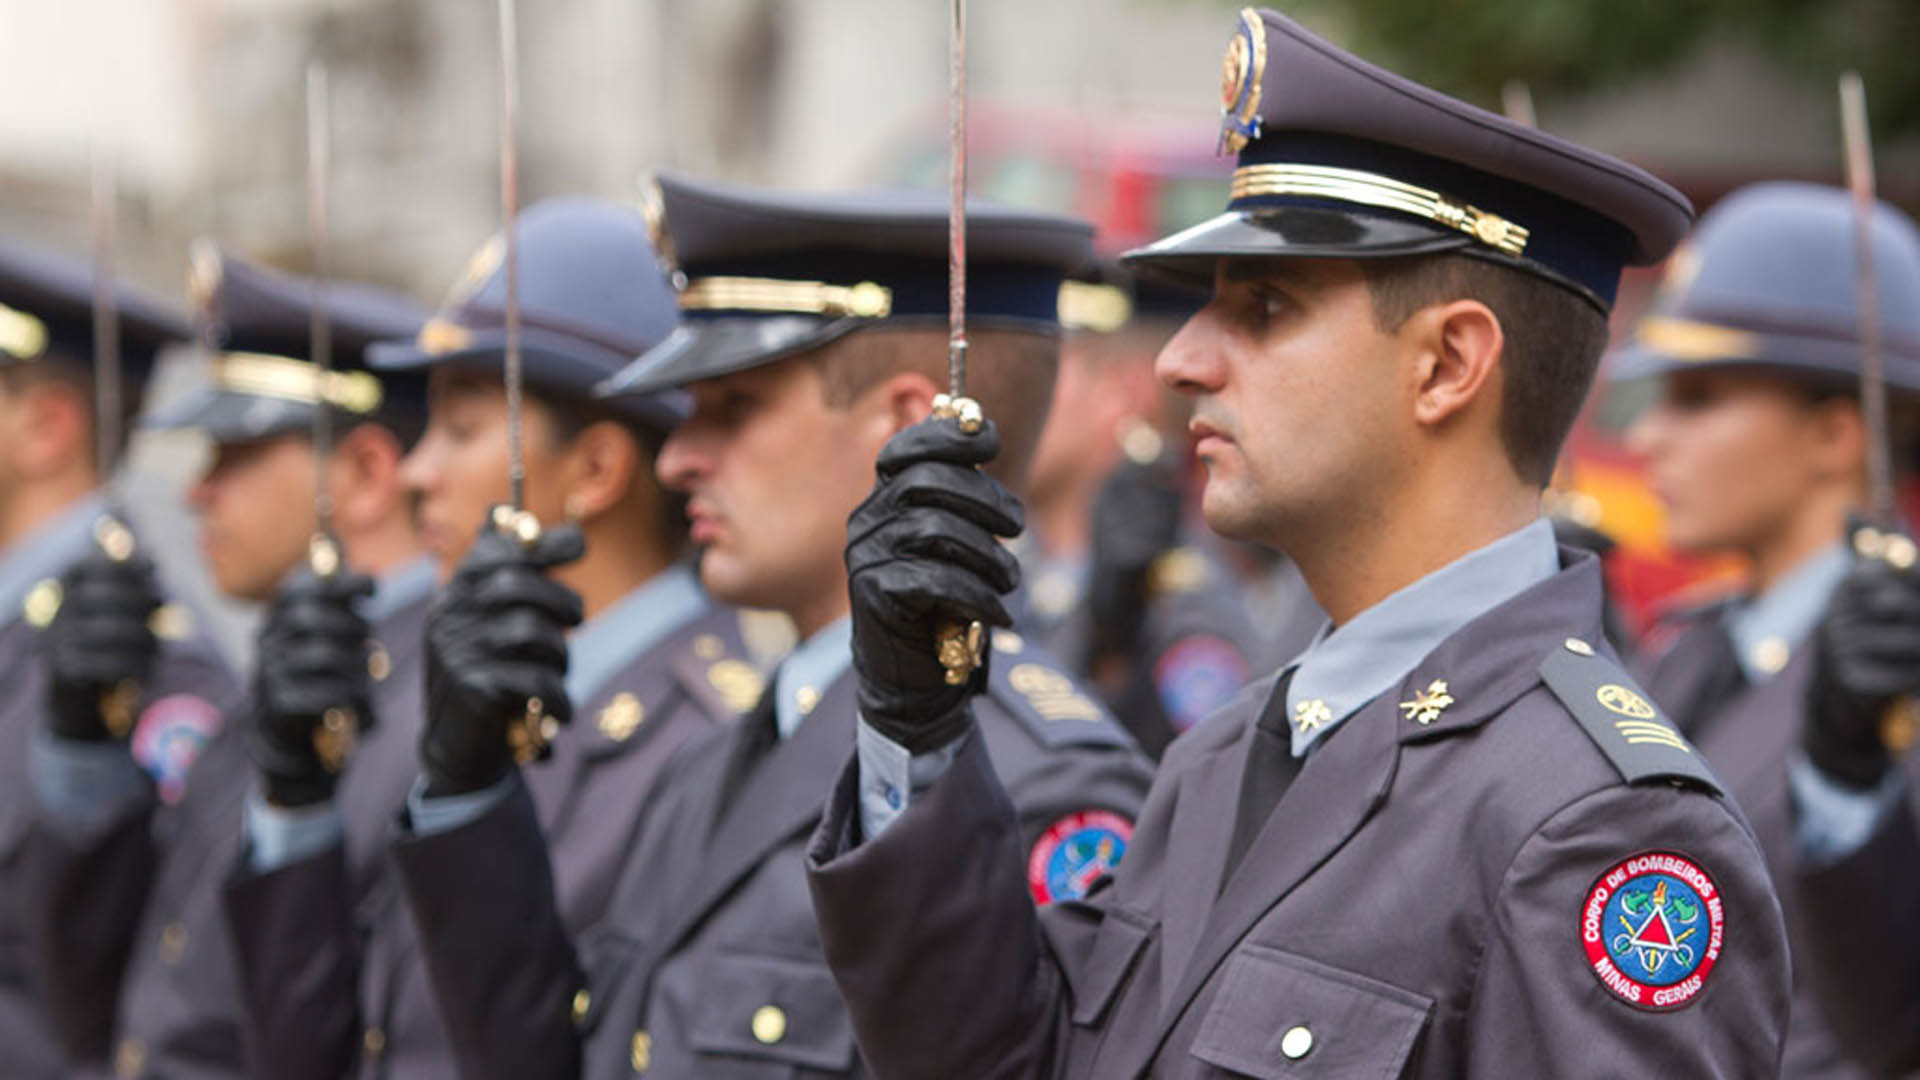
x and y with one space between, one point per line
1286 271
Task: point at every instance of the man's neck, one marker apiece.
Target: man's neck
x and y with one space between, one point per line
381 550
619 559
819 612
1394 542
33 505
1818 522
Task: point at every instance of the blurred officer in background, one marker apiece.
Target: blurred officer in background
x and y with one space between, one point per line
77 624
335 980
1757 447
814 330
171 1001
1429 847
1113 585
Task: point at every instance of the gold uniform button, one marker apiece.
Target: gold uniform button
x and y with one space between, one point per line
129 1058
642 1054
173 943
1296 1042
769 1024
708 647
379 662
582 1005
806 698
1770 655
374 1041
42 603
622 717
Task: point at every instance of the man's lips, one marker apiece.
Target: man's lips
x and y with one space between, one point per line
1207 437
704 523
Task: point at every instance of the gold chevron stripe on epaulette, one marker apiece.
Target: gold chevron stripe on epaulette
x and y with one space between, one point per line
1372 189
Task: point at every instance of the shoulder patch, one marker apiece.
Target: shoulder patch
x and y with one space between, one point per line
1074 852
169 737
1653 926
1195 676
1052 706
1619 718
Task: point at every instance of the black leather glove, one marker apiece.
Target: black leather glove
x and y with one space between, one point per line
99 648
1866 655
496 640
312 662
1136 519
922 550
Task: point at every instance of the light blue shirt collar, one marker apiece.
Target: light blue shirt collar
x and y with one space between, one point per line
804 676
1766 629
1348 666
45 552
398 588
634 624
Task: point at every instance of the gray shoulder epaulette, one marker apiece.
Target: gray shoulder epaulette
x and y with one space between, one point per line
1620 719
1026 684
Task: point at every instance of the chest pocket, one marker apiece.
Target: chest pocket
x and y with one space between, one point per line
1280 1015
1116 950
769 1009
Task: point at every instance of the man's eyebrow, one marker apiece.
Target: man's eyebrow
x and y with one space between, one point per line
1291 271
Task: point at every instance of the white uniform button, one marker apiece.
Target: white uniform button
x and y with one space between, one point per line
1296 1042
1578 647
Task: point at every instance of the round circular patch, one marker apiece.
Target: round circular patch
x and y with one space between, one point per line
1653 926
168 738
1196 676
1074 852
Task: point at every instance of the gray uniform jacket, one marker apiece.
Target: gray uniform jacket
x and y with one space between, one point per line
120 926
1860 918
708 965
1747 734
336 980
1428 898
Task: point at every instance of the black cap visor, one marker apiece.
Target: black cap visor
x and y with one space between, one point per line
230 417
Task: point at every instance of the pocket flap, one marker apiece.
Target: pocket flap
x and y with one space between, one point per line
1116 947
1281 1015
771 1008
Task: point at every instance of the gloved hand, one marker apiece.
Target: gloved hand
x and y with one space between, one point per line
1866 655
312 661
922 550
496 640
1136 519
99 648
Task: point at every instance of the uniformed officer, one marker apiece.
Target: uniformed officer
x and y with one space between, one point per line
1452 839
1757 447
1113 585
335 978
812 333
179 1011
114 713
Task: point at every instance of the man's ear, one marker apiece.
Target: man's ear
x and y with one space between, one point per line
1461 345
1839 441
365 476
905 398
601 465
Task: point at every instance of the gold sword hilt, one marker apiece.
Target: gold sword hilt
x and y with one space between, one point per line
117 702
1900 722
531 734
960 647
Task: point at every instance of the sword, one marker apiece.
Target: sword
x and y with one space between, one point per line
338 730
115 540
533 731
961 648
1873 382
1880 538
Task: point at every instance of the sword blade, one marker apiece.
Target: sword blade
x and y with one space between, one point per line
319 328
957 202
1873 381
107 390
510 255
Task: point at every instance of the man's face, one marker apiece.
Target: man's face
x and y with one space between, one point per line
1730 454
458 469
771 472
1300 405
255 502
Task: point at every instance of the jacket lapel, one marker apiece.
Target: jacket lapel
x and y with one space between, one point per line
782 796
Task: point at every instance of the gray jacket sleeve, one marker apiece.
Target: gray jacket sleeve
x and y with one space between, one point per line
941 959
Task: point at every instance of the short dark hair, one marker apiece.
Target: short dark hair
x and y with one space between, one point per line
1554 341
1009 372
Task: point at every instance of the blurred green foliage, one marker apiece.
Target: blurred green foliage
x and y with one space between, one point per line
1470 48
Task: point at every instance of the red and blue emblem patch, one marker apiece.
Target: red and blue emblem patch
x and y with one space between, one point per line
1074 851
1653 926
168 738
1196 676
